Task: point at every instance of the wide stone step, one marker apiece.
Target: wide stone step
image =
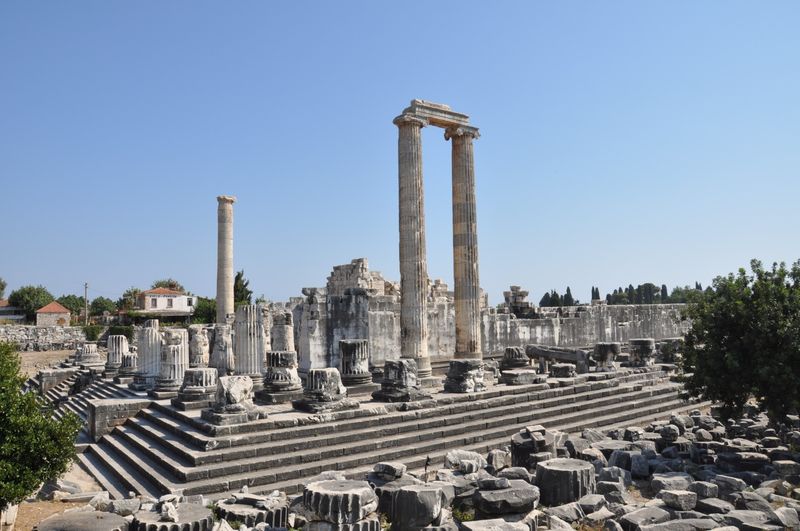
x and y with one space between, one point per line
131 467
387 450
104 475
364 439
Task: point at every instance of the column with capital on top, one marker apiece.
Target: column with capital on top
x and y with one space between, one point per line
466 370
413 256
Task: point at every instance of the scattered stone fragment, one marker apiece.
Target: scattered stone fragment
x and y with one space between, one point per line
564 480
682 500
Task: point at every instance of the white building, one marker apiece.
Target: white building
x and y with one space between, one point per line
166 302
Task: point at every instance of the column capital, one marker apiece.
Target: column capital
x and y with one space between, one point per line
461 130
226 199
410 119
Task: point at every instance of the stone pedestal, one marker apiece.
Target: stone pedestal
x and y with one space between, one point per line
117 347
224 257
324 392
128 368
400 383
341 505
465 376
523 377
87 355
233 402
643 351
281 381
604 355
249 343
198 390
563 481
515 358
149 356
174 362
222 357
355 372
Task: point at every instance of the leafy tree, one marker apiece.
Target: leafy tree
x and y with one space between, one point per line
205 311
102 304
568 300
3 286
129 297
169 283
34 447
73 303
242 294
29 299
744 340
545 301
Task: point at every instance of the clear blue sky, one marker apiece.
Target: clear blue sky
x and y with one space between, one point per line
622 142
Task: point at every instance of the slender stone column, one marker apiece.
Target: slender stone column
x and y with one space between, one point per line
224 257
117 348
413 256
465 245
249 340
282 332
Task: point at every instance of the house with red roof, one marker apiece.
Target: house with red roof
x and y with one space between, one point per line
53 314
166 302
10 313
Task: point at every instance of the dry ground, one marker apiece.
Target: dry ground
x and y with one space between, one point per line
33 362
31 513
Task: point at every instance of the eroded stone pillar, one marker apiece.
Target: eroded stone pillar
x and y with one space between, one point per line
149 356
249 341
413 255
224 257
117 347
355 362
465 244
174 362
282 332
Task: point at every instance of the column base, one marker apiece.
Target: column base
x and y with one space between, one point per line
465 376
270 397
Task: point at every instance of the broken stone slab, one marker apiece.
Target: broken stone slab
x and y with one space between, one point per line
340 501
713 506
385 492
592 503
251 509
498 459
182 517
417 506
389 470
568 512
495 524
400 382
518 472
324 393
682 524
704 489
453 458
84 521
635 520
522 377
465 376
682 500
671 481
520 497
487 481
564 480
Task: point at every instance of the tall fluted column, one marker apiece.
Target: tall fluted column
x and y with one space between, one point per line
149 356
465 244
224 257
413 260
249 345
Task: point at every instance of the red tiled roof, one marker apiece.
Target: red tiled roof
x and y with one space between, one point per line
53 307
161 291
4 303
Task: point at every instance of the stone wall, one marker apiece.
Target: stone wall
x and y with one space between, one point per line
30 338
52 319
105 414
322 320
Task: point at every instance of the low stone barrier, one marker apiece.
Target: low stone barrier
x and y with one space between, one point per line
105 414
36 338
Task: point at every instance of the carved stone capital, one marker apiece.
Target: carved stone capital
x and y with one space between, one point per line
410 119
462 130
226 199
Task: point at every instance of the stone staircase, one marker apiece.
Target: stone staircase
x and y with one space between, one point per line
165 450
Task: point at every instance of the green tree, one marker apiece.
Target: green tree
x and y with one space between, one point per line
74 303
205 311
545 300
568 300
102 304
34 447
242 294
129 298
3 286
169 283
744 340
29 299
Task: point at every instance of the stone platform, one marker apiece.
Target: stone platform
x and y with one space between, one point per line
163 449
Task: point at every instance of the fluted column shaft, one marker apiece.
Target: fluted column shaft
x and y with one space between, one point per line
249 339
224 257
465 245
413 256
